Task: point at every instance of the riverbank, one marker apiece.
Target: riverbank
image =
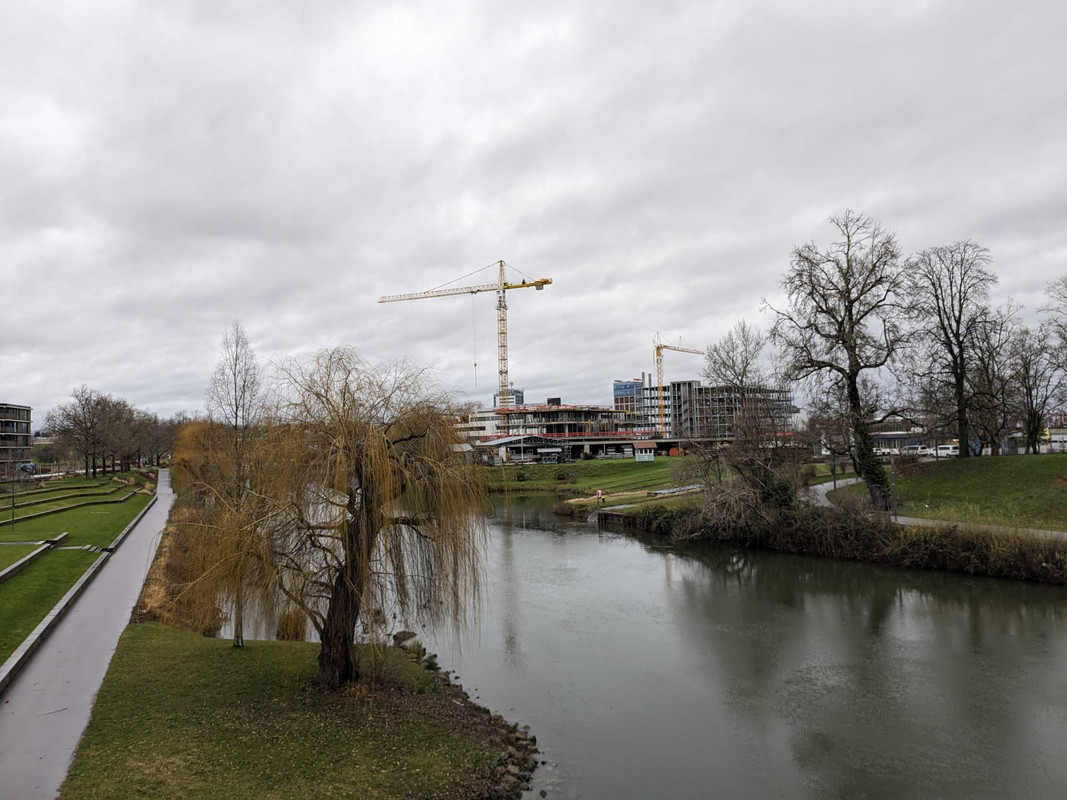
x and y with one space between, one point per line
583 478
186 715
852 532
652 670
182 715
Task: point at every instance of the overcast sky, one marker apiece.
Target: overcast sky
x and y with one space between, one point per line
167 168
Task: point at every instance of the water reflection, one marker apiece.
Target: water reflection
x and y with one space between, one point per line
864 670
658 672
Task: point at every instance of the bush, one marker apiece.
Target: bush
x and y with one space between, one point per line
565 509
292 626
851 531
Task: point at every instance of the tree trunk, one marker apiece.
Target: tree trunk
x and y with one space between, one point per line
868 465
337 658
238 614
963 428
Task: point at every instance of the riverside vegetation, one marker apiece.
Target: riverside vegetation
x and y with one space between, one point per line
233 719
1018 492
183 713
1014 492
345 508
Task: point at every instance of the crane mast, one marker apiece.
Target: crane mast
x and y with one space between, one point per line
500 287
660 346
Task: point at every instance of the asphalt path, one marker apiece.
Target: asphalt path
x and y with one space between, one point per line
817 496
45 709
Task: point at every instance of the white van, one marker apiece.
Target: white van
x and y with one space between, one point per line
948 450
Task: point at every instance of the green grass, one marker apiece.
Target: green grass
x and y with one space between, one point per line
1020 491
180 715
583 477
37 489
50 502
1013 491
96 524
10 553
821 472
29 596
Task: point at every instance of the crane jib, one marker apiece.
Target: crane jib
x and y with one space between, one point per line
502 285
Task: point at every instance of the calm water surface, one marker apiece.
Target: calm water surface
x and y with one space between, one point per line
649 672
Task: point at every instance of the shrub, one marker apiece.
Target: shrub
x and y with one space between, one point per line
565 509
851 531
292 626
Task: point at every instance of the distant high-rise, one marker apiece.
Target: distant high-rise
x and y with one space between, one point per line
14 437
627 394
518 398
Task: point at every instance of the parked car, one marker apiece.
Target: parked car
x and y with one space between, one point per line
947 450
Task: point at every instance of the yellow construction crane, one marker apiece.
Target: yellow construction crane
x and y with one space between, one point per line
660 346
500 287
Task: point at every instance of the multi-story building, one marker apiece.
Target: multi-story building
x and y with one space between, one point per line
693 411
627 394
516 397
555 420
481 425
15 441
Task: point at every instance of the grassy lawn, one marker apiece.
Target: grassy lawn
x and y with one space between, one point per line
51 501
1018 491
583 477
180 715
821 472
10 553
32 490
30 595
96 525
1014 491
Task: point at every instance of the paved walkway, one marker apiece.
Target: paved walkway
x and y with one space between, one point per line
817 496
45 709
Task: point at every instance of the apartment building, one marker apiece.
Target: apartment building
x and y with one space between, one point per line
15 437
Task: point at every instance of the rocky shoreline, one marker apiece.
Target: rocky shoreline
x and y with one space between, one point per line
516 745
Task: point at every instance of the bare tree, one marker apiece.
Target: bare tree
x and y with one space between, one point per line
949 293
118 433
843 320
1040 381
734 360
372 512
235 394
753 417
78 424
992 383
1057 311
235 402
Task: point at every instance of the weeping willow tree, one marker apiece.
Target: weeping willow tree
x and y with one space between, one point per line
373 516
221 559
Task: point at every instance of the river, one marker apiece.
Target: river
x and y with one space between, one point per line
648 671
